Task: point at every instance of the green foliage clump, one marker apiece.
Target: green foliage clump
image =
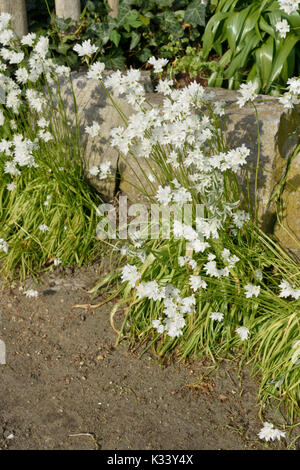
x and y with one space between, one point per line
142 29
244 34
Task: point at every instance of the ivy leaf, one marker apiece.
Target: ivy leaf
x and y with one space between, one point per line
170 24
144 55
135 39
115 37
195 13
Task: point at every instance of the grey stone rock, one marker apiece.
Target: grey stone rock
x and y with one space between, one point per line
287 227
279 136
93 104
278 140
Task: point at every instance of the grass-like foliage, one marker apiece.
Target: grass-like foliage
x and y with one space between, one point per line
48 210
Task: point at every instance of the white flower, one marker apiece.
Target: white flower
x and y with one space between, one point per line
130 273
158 326
35 99
5 18
258 274
94 170
164 195
63 71
164 87
240 217
104 170
31 293
42 123
6 36
251 290
3 245
158 64
85 49
286 290
96 71
29 39
11 187
217 316
151 290
46 136
248 92
243 332
11 169
93 130
22 75
57 261
268 432
16 57
47 202
196 282
282 27
42 47
44 228
289 6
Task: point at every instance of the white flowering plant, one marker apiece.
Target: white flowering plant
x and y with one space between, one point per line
216 285
40 164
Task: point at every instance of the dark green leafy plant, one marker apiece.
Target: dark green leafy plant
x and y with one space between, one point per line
244 34
142 29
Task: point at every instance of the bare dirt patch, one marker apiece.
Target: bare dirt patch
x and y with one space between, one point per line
65 386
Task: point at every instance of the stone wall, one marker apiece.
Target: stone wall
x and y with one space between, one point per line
279 134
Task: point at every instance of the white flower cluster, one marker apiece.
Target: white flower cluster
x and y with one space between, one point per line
291 97
248 92
286 290
22 151
130 273
102 171
85 49
129 84
251 290
165 195
158 64
283 28
243 332
289 6
268 432
175 307
96 71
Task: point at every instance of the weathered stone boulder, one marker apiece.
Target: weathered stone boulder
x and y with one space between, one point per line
279 136
93 104
287 227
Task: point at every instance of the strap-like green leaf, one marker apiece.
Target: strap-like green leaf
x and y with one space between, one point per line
282 54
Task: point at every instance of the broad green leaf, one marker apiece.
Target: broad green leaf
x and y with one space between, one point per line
115 37
195 13
144 55
135 39
264 26
234 27
282 54
264 60
242 57
209 36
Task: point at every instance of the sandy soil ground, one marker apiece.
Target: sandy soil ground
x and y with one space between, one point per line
65 386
